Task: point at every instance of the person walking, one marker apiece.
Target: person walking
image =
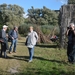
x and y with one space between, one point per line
4 41
31 42
13 34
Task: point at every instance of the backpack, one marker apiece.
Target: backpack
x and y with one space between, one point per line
26 41
9 35
0 34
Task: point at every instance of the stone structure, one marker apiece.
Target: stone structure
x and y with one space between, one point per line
67 15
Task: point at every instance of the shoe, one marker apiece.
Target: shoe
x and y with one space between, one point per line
71 62
10 52
6 57
14 52
30 61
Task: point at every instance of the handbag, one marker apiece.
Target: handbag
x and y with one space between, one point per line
9 39
26 42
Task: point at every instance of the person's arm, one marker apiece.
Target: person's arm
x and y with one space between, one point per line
4 34
10 34
74 32
4 38
36 36
67 32
17 34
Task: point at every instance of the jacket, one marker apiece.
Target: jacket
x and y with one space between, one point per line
32 39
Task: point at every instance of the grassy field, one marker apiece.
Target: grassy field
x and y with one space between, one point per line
48 60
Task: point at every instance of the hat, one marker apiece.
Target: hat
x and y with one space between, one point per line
4 26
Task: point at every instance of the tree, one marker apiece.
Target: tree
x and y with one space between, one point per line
11 15
43 16
71 1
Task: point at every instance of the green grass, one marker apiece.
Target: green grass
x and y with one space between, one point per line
48 60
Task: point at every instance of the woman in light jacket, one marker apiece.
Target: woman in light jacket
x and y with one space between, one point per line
31 42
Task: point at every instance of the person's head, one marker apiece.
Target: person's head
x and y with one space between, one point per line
5 27
71 25
16 28
31 28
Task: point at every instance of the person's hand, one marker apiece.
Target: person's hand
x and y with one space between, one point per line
7 36
12 38
74 31
72 28
1 41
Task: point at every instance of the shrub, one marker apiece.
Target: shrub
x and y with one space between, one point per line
50 29
23 29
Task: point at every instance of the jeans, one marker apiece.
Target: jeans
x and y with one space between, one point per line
31 53
13 44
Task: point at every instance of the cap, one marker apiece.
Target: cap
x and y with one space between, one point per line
4 26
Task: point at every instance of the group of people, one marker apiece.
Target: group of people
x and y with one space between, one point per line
31 39
71 43
4 40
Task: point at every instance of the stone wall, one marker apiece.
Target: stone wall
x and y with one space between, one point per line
67 15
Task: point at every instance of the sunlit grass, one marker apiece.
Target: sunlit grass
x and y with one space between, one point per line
47 61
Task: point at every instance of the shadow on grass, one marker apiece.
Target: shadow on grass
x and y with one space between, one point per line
54 71
40 71
40 58
42 45
21 43
2 72
25 58
48 46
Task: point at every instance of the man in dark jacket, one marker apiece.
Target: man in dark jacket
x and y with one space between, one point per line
69 33
4 41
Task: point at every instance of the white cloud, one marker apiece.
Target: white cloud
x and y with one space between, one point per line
63 1
25 15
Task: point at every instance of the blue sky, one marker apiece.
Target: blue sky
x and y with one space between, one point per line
26 4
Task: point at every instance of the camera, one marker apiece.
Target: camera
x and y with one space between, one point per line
69 28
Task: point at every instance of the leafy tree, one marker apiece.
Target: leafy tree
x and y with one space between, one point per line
71 1
42 16
11 15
